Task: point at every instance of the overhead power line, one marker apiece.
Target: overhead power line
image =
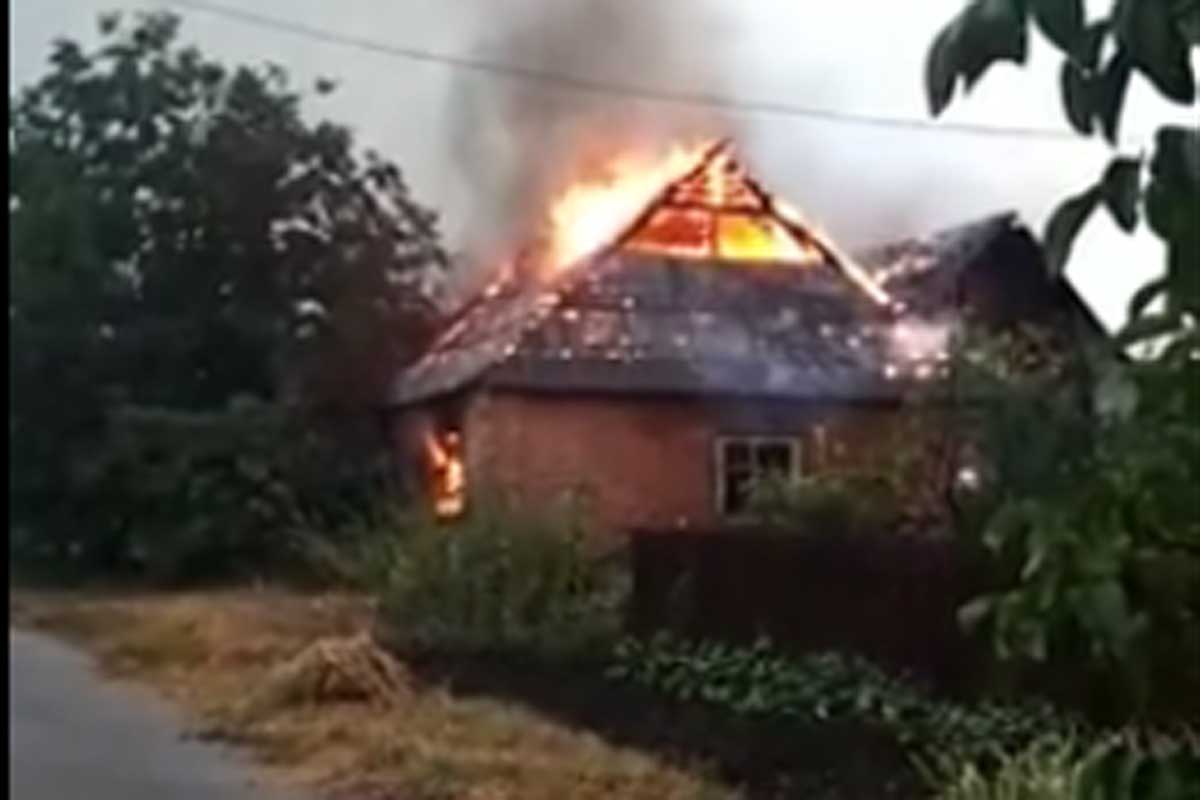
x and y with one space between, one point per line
601 87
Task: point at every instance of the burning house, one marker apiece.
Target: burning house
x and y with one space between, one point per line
675 340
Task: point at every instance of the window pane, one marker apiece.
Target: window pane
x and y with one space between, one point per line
737 492
743 462
737 455
775 457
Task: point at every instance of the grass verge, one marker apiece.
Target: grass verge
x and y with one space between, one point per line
206 650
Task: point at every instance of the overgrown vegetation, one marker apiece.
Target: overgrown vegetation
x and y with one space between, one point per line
1087 508
1046 769
174 497
501 580
834 504
1056 767
1090 507
1088 504
760 680
181 236
966 751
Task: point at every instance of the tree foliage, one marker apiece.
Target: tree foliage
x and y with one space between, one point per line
209 236
1088 508
1093 460
1150 38
181 234
175 497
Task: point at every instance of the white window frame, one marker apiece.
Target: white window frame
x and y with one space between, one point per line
792 442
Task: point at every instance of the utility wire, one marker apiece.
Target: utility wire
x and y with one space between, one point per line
607 88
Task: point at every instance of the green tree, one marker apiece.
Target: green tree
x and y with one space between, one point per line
208 233
1093 462
180 235
1151 38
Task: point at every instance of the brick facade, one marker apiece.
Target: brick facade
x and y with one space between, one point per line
634 462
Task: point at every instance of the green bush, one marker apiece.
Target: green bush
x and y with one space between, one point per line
760 681
1048 769
500 581
1089 518
359 552
175 497
1062 768
835 503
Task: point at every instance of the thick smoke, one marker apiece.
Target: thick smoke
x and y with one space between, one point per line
516 143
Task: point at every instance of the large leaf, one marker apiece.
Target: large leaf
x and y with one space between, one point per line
1156 46
1120 188
940 67
1187 20
994 31
1146 295
1173 196
1179 152
985 32
1061 20
1147 327
1183 275
1088 51
1108 95
1064 226
1077 97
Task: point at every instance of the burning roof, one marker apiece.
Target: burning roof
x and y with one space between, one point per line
713 288
708 209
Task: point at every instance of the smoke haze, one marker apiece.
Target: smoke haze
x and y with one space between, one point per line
480 148
517 143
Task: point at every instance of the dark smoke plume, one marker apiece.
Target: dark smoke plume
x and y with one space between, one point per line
517 142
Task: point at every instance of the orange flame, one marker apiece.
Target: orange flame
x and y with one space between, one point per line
716 212
449 485
850 267
589 214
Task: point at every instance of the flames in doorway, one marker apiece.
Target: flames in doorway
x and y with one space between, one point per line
447 473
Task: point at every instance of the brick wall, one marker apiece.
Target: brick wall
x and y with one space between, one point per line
640 462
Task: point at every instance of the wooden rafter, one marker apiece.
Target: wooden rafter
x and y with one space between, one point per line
764 208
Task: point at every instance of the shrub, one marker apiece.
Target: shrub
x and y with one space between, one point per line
1064 768
358 553
501 581
1048 769
836 503
760 681
1089 516
175 497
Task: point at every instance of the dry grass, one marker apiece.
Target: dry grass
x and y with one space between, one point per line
207 651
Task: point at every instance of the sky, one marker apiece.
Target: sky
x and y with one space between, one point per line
476 147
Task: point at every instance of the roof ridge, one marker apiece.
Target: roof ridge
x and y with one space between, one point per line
1010 216
656 202
799 229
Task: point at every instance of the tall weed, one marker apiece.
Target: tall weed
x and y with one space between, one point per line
1066 768
500 579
